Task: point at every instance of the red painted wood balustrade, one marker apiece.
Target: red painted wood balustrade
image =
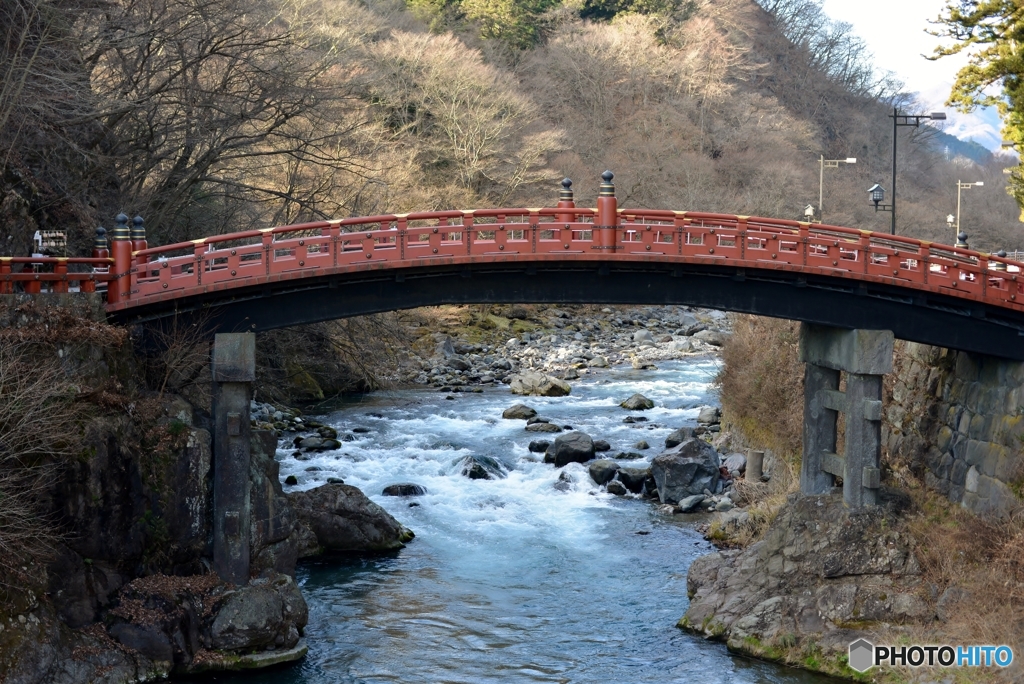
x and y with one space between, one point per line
137 274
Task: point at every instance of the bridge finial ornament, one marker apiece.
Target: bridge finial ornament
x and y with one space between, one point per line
138 235
999 265
100 241
566 193
121 231
961 241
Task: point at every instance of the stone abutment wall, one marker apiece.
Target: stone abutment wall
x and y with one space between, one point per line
957 420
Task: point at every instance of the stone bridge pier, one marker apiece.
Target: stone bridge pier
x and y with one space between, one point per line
864 357
234 370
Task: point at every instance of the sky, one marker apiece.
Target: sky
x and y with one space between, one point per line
895 33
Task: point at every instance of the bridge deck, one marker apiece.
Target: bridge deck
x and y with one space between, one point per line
219 270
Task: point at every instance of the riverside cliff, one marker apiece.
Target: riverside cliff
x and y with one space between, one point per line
116 587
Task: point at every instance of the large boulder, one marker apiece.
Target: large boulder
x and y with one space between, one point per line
709 415
677 437
685 470
536 383
481 468
822 576
715 338
519 411
603 471
404 489
268 612
339 517
633 478
637 402
572 447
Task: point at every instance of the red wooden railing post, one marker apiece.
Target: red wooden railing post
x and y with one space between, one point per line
99 251
6 286
607 223
120 286
61 269
566 201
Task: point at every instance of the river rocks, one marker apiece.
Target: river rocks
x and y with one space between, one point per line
533 382
713 337
543 427
339 518
689 504
445 348
637 402
602 445
735 463
617 488
685 470
642 444
818 569
404 489
679 436
709 415
633 478
602 471
518 411
481 468
538 446
268 612
642 336
458 364
574 447
597 362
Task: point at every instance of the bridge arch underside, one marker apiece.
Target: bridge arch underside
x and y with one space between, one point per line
916 316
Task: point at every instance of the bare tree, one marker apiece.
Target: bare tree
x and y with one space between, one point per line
38 428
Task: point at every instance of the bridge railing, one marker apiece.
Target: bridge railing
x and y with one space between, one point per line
566 233
53 274
606 233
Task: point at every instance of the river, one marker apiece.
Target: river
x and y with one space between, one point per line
511 580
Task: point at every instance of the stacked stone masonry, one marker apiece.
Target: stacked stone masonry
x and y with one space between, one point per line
957 419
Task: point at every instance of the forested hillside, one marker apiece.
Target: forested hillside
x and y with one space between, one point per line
212 115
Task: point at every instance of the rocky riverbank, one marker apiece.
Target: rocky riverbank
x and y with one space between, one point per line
129 597
564 343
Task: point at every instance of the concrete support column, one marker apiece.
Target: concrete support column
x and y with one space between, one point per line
865 356
755 465
819 429
234 370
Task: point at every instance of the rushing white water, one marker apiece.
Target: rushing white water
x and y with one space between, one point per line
511 580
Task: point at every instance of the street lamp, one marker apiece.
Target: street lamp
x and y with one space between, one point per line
963 186
829 164
897 121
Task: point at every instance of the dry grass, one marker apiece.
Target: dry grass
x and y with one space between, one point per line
982 557
761 382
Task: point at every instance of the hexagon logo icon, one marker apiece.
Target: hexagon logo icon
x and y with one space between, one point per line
862 655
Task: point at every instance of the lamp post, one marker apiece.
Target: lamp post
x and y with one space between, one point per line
897 121
963 186
828 164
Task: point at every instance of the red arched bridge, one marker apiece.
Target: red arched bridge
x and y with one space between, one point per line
274 277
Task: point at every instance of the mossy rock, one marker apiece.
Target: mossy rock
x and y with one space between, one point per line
301 384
